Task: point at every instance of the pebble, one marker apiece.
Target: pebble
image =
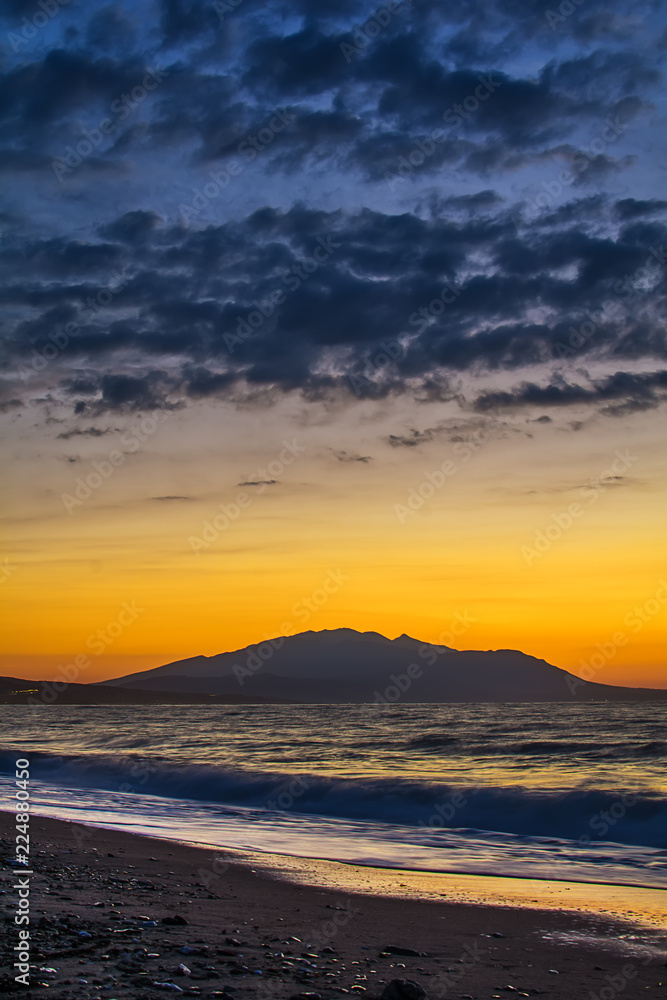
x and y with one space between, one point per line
392 949
403 989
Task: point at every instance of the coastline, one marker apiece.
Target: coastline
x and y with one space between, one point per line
478 935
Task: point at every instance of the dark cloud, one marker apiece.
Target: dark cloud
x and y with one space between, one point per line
132 227
412 439
93 432
325 302
120 301
620 394
110 30
348 456
123 393
306 62
358 113
630 208
173 499
187 19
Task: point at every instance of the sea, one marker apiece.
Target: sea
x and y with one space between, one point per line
555 791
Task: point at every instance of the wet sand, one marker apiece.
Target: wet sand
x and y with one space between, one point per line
264 927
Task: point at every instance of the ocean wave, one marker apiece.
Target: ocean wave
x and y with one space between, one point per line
361 842
432 742
620 815
655 749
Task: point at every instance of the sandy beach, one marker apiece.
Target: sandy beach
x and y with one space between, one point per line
118 915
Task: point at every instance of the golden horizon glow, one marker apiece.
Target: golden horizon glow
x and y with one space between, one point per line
463 551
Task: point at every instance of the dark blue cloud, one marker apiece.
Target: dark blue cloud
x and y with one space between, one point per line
347 250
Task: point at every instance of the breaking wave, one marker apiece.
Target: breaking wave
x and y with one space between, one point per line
581 814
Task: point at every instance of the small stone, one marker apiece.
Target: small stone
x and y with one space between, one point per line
176 921
403 989
406 952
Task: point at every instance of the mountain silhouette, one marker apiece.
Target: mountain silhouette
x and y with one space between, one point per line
343 665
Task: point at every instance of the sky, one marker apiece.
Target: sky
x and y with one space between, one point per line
319 315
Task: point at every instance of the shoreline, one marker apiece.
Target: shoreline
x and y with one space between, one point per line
476 934
640 904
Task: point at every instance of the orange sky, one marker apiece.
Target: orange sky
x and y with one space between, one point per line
118 580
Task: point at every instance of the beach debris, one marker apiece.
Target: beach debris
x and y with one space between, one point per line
167 986
176 921
554 972
403 989
393 949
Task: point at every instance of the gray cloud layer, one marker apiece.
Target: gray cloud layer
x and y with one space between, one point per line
136 310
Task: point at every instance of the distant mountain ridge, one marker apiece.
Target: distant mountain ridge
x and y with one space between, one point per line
343 665
18 691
